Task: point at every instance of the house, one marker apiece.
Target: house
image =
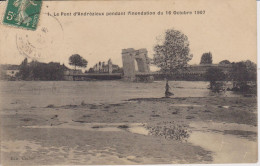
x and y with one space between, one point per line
9 71
12 73
102 67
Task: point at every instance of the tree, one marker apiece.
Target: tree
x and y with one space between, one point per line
242 73
41 71
206 58
224 62
24 71
91 70
46 71
213 75
99 66
172 55
76 60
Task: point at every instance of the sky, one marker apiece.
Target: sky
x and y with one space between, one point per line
227 30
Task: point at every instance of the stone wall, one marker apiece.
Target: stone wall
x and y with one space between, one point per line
129 56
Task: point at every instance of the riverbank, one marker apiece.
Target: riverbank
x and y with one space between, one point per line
136 131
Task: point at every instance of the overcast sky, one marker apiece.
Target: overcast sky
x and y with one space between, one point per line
228 30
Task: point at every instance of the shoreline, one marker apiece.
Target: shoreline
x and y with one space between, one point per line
109 130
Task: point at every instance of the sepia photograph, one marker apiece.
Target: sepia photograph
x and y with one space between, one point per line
128 82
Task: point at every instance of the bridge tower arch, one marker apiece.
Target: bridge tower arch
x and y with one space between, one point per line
129 57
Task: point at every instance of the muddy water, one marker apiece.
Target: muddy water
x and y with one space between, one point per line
58 93
226 148
196 105
210 125
137 128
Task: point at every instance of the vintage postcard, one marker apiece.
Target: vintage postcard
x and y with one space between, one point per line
128 82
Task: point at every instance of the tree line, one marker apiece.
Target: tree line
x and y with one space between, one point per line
173 54
242 74
41 71
48 71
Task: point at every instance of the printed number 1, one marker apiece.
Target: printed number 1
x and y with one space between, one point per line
9 15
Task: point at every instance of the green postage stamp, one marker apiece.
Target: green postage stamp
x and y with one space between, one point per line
23 13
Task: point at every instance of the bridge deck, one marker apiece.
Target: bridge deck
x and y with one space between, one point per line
94 74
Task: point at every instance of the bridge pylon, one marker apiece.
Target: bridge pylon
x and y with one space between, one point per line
130 57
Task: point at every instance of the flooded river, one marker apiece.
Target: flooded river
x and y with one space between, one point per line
42 112
43 93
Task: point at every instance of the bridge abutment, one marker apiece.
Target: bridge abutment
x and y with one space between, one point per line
131 56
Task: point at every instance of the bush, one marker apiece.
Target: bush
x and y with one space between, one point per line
243 75
216 77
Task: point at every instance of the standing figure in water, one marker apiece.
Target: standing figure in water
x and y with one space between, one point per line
167 90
